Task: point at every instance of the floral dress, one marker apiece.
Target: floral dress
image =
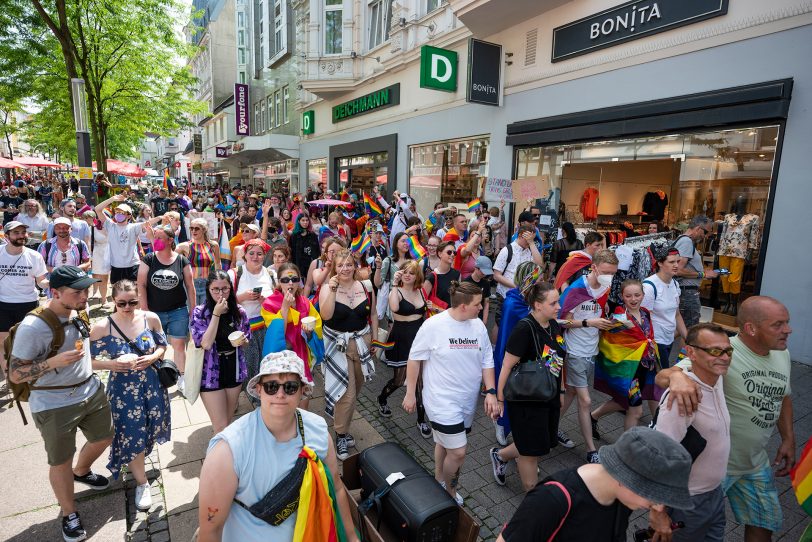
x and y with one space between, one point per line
139 404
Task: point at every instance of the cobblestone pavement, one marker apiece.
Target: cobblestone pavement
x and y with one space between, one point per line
493 505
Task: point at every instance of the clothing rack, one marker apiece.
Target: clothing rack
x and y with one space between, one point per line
645 240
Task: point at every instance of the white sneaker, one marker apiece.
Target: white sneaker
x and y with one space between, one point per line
500 434
457 496
181 386
143 497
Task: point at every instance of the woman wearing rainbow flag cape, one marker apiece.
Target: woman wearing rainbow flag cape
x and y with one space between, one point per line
283 312
273 474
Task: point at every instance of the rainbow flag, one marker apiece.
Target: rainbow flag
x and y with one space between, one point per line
360 243
578 292
318 518
415 248
801 475
372 207
451 235
383 346
474 204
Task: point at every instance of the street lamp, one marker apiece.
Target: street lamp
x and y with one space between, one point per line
77 88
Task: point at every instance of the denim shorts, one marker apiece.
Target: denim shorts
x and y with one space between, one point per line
175 323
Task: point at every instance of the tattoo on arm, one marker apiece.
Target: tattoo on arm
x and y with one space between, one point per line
26 370
211 513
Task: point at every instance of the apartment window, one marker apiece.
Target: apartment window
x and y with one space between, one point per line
271 119
256 118
278 107
431 5
241 56
285 102
380 14
240 19
262 126
278 26
241 38
241 77
333 14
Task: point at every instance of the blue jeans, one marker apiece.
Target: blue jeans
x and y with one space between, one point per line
175 323
200 291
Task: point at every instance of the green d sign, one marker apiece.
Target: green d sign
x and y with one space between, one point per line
438 68
309 122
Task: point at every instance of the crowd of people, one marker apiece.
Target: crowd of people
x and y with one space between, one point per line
274 290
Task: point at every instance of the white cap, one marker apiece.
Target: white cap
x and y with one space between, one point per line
63 220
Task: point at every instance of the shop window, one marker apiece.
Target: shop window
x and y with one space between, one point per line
448 171
380 17
316 172
333 15
360 174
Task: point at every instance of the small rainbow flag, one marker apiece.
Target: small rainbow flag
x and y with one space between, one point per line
415 248
360 243
451 235
474 204
801 476
372 207
383 346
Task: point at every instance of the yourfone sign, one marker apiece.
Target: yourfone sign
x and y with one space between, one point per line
241 109
438 68
630 21
380 99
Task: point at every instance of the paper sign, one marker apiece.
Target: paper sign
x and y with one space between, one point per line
495 190
211 221
85 172
545 220
530 188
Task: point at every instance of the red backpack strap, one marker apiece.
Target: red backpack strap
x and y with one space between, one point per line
569 507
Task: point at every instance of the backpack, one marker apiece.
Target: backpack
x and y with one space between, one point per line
509 248
238 275
22 391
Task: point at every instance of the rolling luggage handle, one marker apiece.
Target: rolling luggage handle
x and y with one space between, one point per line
374 500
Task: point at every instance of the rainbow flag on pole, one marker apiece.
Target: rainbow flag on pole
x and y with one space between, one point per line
360 243
474 204
415 248
801 476
372 207
451 235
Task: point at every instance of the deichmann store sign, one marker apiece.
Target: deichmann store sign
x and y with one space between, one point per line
309 122
630 21
241 108
484 68
380 99
438 68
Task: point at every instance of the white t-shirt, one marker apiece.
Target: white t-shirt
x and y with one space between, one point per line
248 282
582 342
663 309
454 354
508 269
37 223
123 243
18 273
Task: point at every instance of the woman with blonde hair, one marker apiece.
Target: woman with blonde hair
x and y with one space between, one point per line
203 255
99 254
408 305
321 268
350 322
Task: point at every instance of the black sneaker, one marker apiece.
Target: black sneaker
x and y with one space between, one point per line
595 434
72 530
350 440
499 467
341 448
592 457
425 429
92 480
384 410
564 440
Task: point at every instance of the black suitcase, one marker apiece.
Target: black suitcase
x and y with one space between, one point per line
416 508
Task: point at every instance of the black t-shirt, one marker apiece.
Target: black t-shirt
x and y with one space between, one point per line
542 509
443 284
485 284
165 288
521 343
160 205
11 207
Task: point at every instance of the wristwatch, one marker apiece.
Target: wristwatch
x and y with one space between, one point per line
491 391
584 323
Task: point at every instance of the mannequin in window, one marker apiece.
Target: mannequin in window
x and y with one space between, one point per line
740 236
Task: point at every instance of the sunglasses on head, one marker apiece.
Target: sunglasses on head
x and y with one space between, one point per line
290 387
288 280
715 352
131 303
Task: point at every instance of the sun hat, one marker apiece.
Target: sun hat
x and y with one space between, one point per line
285 361
652 465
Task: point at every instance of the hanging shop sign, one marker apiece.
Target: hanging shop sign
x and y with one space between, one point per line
438 68
221 152
629 21
309 122
147 164
197 140
484 69
374 101
241 106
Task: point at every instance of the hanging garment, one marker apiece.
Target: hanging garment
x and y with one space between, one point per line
739 235
589 204
654 204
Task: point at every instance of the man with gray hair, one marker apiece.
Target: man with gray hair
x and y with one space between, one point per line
691 273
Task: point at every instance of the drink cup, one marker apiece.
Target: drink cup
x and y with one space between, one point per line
129 358
308 323
237 338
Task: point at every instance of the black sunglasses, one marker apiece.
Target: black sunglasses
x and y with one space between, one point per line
715 352
272 386
450 252
287 280
131 303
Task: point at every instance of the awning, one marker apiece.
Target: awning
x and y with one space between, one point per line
118 167
225 103
10 164
253 157
31 161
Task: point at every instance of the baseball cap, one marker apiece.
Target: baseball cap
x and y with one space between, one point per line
285 361
124 208
652 465
253 227
14 224
62 220
483 263
72 277
527 216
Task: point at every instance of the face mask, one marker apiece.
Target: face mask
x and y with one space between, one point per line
605 280
120 217
159 245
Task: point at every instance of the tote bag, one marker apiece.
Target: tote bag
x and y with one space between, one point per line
194 371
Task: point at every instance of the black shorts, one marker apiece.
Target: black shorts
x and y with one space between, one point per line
228 373
534 427
121 273
13 313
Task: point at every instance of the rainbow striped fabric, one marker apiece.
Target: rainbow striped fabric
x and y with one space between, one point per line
360 243
474 204
256 323
383 346
372 207
578 292
801 476
451 235
318 518
415 248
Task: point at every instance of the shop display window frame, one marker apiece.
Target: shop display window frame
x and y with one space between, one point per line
375 145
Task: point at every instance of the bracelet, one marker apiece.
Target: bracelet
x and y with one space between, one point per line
700 274
333 289
215 315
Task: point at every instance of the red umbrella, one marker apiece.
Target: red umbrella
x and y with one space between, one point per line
330 202
31 161
10 164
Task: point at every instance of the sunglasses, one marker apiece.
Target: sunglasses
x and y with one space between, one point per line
715 352
131 303
195 228
288 280
290 387
450 252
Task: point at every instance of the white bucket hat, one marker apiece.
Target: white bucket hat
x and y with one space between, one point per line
285 361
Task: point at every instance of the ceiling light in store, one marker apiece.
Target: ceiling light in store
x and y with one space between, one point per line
751 133
615 159
761 155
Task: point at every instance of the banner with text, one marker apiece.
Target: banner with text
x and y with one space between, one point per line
531 188
494 190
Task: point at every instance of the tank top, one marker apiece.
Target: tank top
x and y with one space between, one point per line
165 288
201 256
348 319
405 308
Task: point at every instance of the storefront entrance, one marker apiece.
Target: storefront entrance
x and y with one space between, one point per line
362 165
